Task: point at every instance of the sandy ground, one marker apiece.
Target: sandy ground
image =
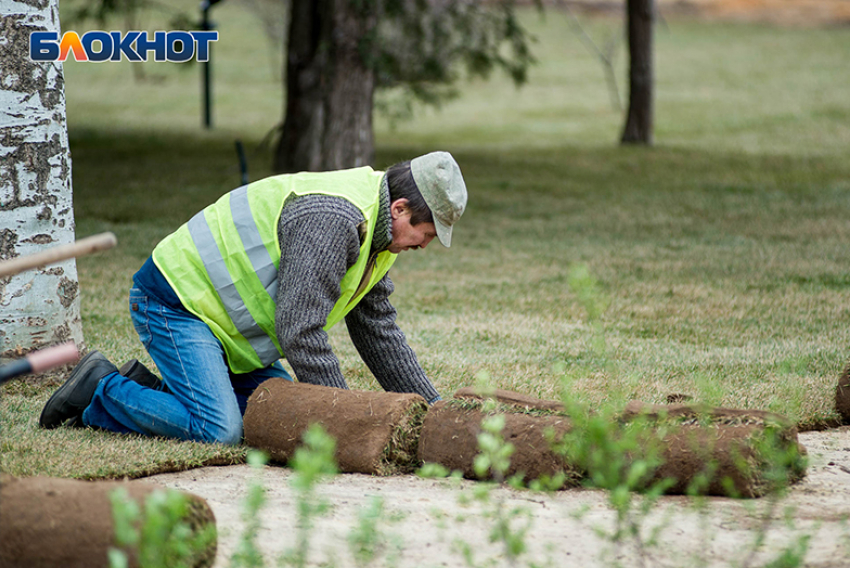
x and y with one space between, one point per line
428 518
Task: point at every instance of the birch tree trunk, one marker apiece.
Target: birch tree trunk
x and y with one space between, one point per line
38 307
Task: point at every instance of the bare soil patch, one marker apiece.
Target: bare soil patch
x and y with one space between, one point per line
778 12
784 12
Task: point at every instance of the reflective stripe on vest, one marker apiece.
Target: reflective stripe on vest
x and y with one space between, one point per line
263 264
214 264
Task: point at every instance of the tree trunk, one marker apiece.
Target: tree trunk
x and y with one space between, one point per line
329 88
37 307
639 123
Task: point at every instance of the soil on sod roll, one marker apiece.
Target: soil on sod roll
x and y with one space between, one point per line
376 432
450 438
48 522
736 453
842 395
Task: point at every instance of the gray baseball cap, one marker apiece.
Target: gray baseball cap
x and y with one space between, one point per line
441 184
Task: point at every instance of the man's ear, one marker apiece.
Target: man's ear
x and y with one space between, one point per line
398 208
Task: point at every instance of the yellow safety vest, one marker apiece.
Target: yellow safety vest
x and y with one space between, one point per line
223 262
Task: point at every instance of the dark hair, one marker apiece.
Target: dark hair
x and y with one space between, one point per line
403 186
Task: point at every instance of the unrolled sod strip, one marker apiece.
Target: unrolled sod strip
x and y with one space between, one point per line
376 432
512 398
712 414
47 522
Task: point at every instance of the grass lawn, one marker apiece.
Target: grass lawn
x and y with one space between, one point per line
720 255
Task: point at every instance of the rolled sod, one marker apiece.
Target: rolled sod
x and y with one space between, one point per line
48 522
376 432
842 395
737 453
450 438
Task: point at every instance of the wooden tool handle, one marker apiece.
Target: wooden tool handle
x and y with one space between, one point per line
102 241
39 361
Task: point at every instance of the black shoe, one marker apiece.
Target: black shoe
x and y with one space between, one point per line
136 371
71 399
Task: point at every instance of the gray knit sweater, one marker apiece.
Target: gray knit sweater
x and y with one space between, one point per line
319 242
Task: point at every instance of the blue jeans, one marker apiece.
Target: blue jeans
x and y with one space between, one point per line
199 398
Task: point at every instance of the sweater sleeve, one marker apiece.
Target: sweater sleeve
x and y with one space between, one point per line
383 346
319 242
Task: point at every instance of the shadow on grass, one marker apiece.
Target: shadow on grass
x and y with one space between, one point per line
125 176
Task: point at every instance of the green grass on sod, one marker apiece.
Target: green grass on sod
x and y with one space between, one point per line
720 254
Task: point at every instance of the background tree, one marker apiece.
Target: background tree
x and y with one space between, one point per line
340 51
37 307
329 87
639 121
